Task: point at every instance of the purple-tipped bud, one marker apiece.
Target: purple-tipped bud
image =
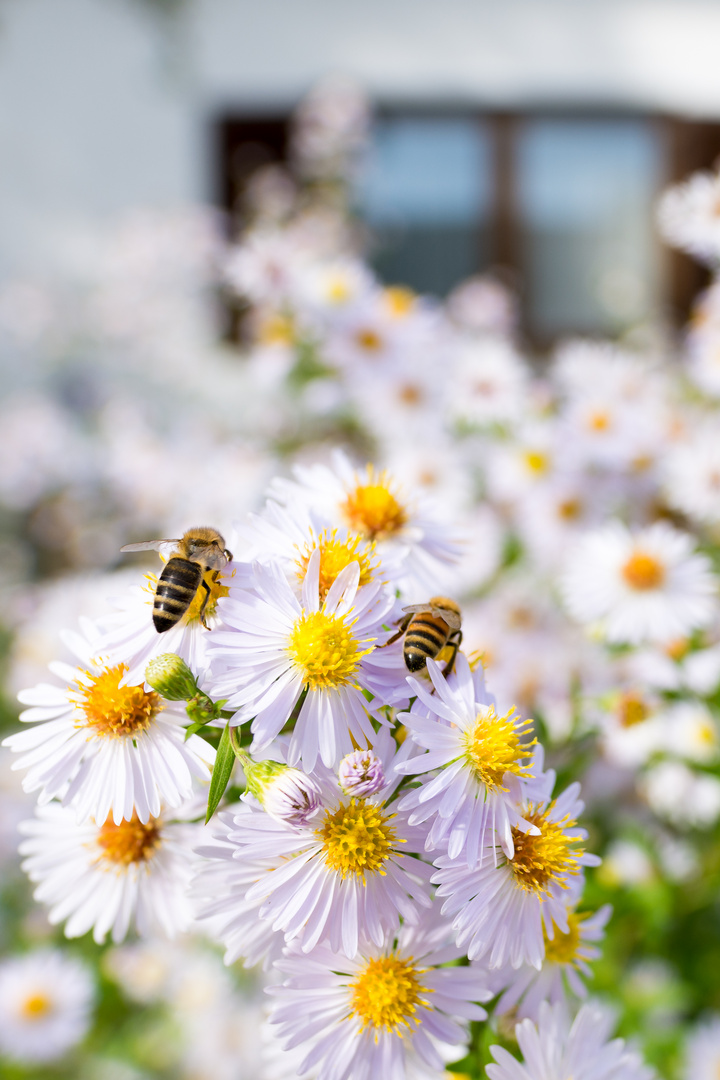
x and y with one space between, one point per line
361 773
291 796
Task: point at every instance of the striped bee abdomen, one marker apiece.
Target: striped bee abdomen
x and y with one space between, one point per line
175 592
426 635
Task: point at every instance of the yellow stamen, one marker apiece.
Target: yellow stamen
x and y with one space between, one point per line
632 709
563 949
493 748
399 300
217 589
545 859
357 838
372 510
129 842
338 289
599 420
536 461
111 709
387 994
369 340
326 650
335 555
643 571
36 1006
570 509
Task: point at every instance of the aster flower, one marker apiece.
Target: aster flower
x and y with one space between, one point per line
105 745
346 871
688 216
111 876
558 981
46 1001
271 649
370 504
393 1010
499 909
642 586
554 1048
481 765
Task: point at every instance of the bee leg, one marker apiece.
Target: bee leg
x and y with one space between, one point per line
403 627
455 640
206 597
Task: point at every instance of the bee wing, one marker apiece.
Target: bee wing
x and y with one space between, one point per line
417 607
450 617
152 545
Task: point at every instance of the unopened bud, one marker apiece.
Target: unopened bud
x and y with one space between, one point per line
361 773
286 794
171 677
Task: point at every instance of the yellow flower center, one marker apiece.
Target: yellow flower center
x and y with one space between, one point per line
335 555
493 748
387 994
112 709
632 709
338 289
563 948
357 838
536 461
643 571
326 650
372 509
399 300
276 329
569 509
543 860
369 340
129 842
36 1006
677 649
599 420
217 589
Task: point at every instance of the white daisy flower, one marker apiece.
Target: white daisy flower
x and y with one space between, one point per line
480 762
272 650
46 1002
347 871
703 346
107 877
290 534
393 1010
370 504
555 1049
683 796
642 586
558 981
104 745
692 476
490 382
501 908
688 216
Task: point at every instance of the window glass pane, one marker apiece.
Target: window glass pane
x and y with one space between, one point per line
426 193
586 193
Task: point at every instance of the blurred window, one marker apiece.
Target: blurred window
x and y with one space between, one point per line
426 192
586 192
562 204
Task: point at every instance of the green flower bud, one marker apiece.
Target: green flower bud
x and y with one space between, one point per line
171 677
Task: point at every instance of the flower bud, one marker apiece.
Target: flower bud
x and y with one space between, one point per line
285 794
361 773
171 677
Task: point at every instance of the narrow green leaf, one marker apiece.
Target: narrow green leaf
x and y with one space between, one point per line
224 761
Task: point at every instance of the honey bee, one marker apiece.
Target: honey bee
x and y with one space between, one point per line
199 551
428 628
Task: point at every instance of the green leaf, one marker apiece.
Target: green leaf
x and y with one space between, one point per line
224 761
